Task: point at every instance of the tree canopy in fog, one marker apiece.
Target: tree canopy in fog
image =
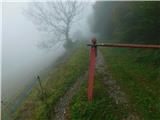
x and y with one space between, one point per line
137 22
56 18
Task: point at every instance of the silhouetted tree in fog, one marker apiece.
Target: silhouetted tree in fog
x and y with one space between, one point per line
56 18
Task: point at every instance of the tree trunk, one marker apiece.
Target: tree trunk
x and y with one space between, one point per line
68 43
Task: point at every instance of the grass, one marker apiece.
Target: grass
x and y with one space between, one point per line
56 83
138 74
101 108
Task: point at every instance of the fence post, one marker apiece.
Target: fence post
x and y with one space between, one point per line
93 53
43 92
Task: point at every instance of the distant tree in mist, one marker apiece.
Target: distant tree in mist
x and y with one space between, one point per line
78 35
56 18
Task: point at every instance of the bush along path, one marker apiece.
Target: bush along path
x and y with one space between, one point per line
62 106
114 90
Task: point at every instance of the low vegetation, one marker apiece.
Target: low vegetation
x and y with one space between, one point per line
101 108
138 74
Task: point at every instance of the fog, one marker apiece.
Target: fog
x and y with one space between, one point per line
22 60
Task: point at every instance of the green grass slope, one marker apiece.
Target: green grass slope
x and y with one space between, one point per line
138 73
56 83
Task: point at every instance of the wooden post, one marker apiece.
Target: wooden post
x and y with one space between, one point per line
44 94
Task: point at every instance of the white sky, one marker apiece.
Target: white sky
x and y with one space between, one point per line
0 49
39 0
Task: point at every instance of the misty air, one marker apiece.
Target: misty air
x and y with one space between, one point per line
80 60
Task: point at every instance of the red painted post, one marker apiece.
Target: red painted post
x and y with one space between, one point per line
91 69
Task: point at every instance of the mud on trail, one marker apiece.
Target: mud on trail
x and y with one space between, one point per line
114 90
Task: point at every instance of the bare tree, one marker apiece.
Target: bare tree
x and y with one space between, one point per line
56 18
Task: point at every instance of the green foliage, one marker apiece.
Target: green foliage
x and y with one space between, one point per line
57 82
129 22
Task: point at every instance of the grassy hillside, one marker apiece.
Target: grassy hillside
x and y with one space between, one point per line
58 80
138 74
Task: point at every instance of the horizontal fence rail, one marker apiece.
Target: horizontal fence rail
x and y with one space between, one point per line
93 54
125 45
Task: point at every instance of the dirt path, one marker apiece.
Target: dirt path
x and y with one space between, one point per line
114 89
63 104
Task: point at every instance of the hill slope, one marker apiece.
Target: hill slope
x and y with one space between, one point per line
57 82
